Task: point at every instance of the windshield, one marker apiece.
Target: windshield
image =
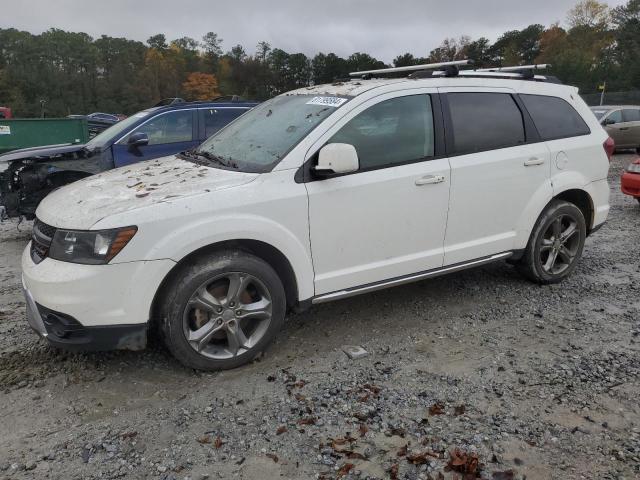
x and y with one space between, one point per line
599 112
260 138
114 132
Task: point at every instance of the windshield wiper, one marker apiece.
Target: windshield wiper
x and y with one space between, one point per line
211 157
199 156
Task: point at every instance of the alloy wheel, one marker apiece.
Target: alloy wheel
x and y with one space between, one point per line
560 244
227 315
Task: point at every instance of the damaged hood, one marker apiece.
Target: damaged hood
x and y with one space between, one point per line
82 204
43 152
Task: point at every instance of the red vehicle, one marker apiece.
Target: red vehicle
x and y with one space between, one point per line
5 112
630 181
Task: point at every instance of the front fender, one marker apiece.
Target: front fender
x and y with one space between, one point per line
186 239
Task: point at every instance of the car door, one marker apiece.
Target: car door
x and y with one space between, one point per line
214 118
631 127
496 170
615 127
388 219
168 133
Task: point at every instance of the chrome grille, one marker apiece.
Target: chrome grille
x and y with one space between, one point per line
41 239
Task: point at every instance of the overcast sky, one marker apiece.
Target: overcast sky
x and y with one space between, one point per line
383 29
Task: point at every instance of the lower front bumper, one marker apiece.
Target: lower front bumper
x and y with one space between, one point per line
33 316
64 331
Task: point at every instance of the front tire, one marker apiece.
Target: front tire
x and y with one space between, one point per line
555 245
221 311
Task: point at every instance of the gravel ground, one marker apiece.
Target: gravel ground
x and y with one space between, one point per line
479 374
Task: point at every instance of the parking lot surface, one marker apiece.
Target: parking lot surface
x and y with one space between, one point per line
479 372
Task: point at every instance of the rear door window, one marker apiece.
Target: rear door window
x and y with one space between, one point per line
554 117
216 118
631 115
485 121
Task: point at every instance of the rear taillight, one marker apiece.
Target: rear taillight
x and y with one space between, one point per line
609 147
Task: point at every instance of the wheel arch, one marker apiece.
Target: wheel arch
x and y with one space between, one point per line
266 252
581 199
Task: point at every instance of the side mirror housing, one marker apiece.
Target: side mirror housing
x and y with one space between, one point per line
608 121
336 158
138 139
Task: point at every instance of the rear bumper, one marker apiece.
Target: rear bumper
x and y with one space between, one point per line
630 184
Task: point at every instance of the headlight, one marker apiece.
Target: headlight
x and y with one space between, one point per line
634 168
89 247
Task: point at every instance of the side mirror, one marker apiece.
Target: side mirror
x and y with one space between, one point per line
609 121
337 158
138 139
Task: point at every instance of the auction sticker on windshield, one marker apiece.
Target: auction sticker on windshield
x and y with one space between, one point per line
327 101
5 130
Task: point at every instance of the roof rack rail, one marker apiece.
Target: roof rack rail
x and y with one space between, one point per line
516 68
414 68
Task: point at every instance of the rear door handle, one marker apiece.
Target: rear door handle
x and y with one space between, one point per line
533 161
429 180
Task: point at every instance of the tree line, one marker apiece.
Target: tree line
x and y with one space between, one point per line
75 73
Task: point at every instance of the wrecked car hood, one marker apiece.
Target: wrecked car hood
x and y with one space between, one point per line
82 204
46 151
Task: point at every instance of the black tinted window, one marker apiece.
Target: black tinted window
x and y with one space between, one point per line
631 115
394 131
554 117
485 121
216 118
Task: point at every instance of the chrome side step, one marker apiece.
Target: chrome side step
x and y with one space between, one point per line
351 292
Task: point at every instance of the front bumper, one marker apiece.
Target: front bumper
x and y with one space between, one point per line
66 332
630 184
91 307
33 316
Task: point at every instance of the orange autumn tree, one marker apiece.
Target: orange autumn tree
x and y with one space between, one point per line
201 86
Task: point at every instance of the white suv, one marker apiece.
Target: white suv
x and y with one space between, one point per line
315 195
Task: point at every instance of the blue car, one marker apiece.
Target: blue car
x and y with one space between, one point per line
28 175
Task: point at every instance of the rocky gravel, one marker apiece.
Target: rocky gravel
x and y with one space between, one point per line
479 374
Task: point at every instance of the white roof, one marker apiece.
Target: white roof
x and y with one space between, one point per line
348 89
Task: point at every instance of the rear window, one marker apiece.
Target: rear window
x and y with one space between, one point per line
485 121
554 117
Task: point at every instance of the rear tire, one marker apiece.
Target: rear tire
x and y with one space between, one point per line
555 245
221 311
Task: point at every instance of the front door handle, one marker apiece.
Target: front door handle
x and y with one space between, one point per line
533 161
429 180
623 128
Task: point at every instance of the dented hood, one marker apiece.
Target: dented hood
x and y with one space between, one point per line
82 204
40 152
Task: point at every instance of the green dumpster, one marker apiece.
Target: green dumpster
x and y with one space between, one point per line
36 132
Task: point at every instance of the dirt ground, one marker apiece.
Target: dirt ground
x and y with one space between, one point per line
525 381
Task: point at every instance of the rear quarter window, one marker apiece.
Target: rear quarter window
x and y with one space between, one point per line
554 117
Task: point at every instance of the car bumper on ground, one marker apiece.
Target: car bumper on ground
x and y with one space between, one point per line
91 307
630 184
